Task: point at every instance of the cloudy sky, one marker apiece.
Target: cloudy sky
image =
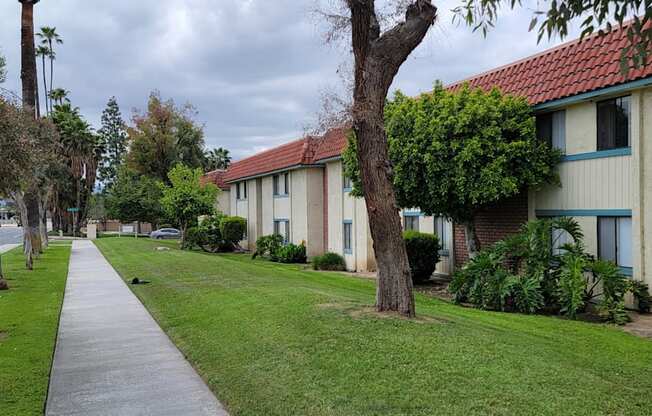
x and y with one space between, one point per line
254 69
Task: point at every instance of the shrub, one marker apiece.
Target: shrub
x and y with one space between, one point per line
423 254
290 253
329 261
233 229
267 246
527 294
194 238
642 296
572 284
467 283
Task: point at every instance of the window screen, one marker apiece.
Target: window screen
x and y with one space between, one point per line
348 228
613 123
411 222
615 240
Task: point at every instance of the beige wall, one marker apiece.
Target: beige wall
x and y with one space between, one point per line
619 182
342 206
427 225
223 202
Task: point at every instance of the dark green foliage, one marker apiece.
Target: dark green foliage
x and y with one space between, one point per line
423 254
233 229
195 237
267 246
113 136
290 253
571 284
329 261
523 274
134 197
455 152
642 295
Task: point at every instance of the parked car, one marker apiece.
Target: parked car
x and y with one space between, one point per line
165 233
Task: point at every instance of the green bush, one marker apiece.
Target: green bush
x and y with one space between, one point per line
522 273
233 229
267 246
642 295
423 254
290 253
329 261
195 237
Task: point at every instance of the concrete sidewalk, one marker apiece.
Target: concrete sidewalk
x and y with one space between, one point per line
111 357
6 247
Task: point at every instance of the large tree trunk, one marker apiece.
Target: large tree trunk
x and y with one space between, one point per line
28 55
471 239
377 60
43 219
19 198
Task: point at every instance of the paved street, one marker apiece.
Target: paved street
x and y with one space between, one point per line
111 357
11 235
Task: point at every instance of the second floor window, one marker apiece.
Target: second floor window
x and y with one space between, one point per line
613 123
241 190
281 184
346 183
551 128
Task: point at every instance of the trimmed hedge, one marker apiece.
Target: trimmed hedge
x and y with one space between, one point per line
423 254
329 261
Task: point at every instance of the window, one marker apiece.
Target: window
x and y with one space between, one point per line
241 190
613 123
558 239
440 230
346 183
410 222
551 127
348 237
281 184
282 228
615 240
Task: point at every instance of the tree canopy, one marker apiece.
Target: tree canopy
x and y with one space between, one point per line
113 136
454 153
187 198
164 136
134 197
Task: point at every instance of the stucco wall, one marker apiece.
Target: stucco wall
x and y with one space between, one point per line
642 175
223 202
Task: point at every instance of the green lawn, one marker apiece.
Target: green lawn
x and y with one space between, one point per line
274 339
29 316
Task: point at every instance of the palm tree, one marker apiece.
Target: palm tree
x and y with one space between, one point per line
217 159
44 52
31 234
58 95
49 37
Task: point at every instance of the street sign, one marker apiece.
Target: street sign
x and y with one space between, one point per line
72 209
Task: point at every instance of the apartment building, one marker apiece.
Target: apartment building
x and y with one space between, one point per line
600 119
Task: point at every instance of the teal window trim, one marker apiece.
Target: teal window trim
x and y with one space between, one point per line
600 154
280 196
627 271
411 214
583 213
616 89
347 189
444 253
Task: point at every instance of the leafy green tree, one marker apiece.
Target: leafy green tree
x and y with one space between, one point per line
455 153
113 135
82 150
186 198
164 136
134 197
217 159
59 95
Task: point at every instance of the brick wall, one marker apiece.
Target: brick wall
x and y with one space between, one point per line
492 224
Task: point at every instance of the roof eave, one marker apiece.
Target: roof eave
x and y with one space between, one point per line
272 172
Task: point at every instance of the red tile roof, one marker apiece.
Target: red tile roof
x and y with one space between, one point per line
216 177
566 70
298 152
